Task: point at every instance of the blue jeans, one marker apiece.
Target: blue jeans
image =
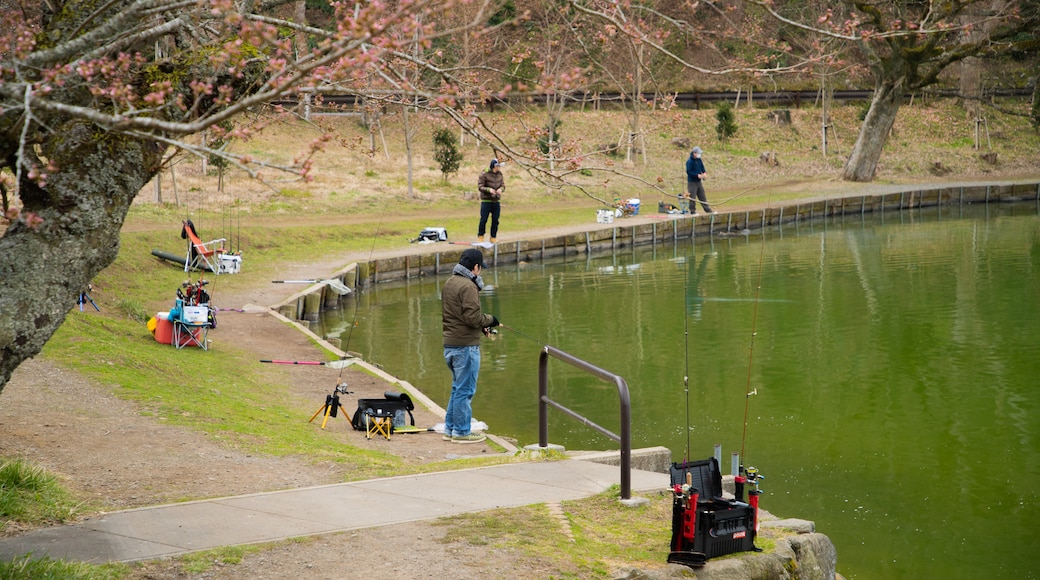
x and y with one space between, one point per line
464 362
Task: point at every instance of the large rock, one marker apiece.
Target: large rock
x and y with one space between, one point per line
801 557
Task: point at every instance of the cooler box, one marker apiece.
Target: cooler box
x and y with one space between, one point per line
163 328
722 526
230 264
605 216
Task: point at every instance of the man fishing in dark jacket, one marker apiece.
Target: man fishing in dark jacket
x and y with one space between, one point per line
463 323
695 174
491 184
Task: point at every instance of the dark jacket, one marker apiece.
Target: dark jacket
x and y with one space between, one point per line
694 167
488 182
460 312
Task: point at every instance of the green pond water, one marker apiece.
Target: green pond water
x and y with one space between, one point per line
895 361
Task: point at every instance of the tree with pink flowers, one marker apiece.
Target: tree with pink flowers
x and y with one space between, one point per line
94 95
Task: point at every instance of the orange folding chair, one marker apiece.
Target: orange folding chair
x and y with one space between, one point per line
200 253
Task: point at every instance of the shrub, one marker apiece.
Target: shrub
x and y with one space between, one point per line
446 152
727 125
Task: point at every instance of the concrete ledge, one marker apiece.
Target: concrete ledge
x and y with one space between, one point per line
655 459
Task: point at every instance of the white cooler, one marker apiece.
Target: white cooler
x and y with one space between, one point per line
230 264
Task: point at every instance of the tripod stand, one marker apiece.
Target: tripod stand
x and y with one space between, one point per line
84 297
332 405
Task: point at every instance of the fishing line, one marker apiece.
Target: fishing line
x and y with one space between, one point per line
729 199
200 270
748 392
527 336
357 299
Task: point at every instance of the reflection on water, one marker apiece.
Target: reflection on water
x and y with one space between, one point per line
895 361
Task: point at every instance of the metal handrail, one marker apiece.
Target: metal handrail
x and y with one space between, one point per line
625 439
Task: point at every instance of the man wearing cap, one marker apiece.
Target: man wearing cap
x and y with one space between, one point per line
463 323
695 173
491 184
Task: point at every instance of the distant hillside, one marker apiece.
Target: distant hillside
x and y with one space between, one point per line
933 139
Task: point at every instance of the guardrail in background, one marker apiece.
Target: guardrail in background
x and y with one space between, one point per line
339 103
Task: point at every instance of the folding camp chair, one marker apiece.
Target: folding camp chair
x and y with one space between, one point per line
201 253
378 421
191 327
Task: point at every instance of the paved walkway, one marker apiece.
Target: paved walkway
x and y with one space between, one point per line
170 530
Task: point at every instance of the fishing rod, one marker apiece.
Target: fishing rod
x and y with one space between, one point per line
334 284
332 364
332 403
748 391
747 474
686 333
686 348
357 300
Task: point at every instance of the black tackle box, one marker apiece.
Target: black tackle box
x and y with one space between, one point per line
723 526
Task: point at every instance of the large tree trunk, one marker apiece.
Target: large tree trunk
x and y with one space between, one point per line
44 267
863 162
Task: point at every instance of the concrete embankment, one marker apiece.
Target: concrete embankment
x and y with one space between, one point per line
648 228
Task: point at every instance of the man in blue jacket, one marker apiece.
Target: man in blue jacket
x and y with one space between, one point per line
695 174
